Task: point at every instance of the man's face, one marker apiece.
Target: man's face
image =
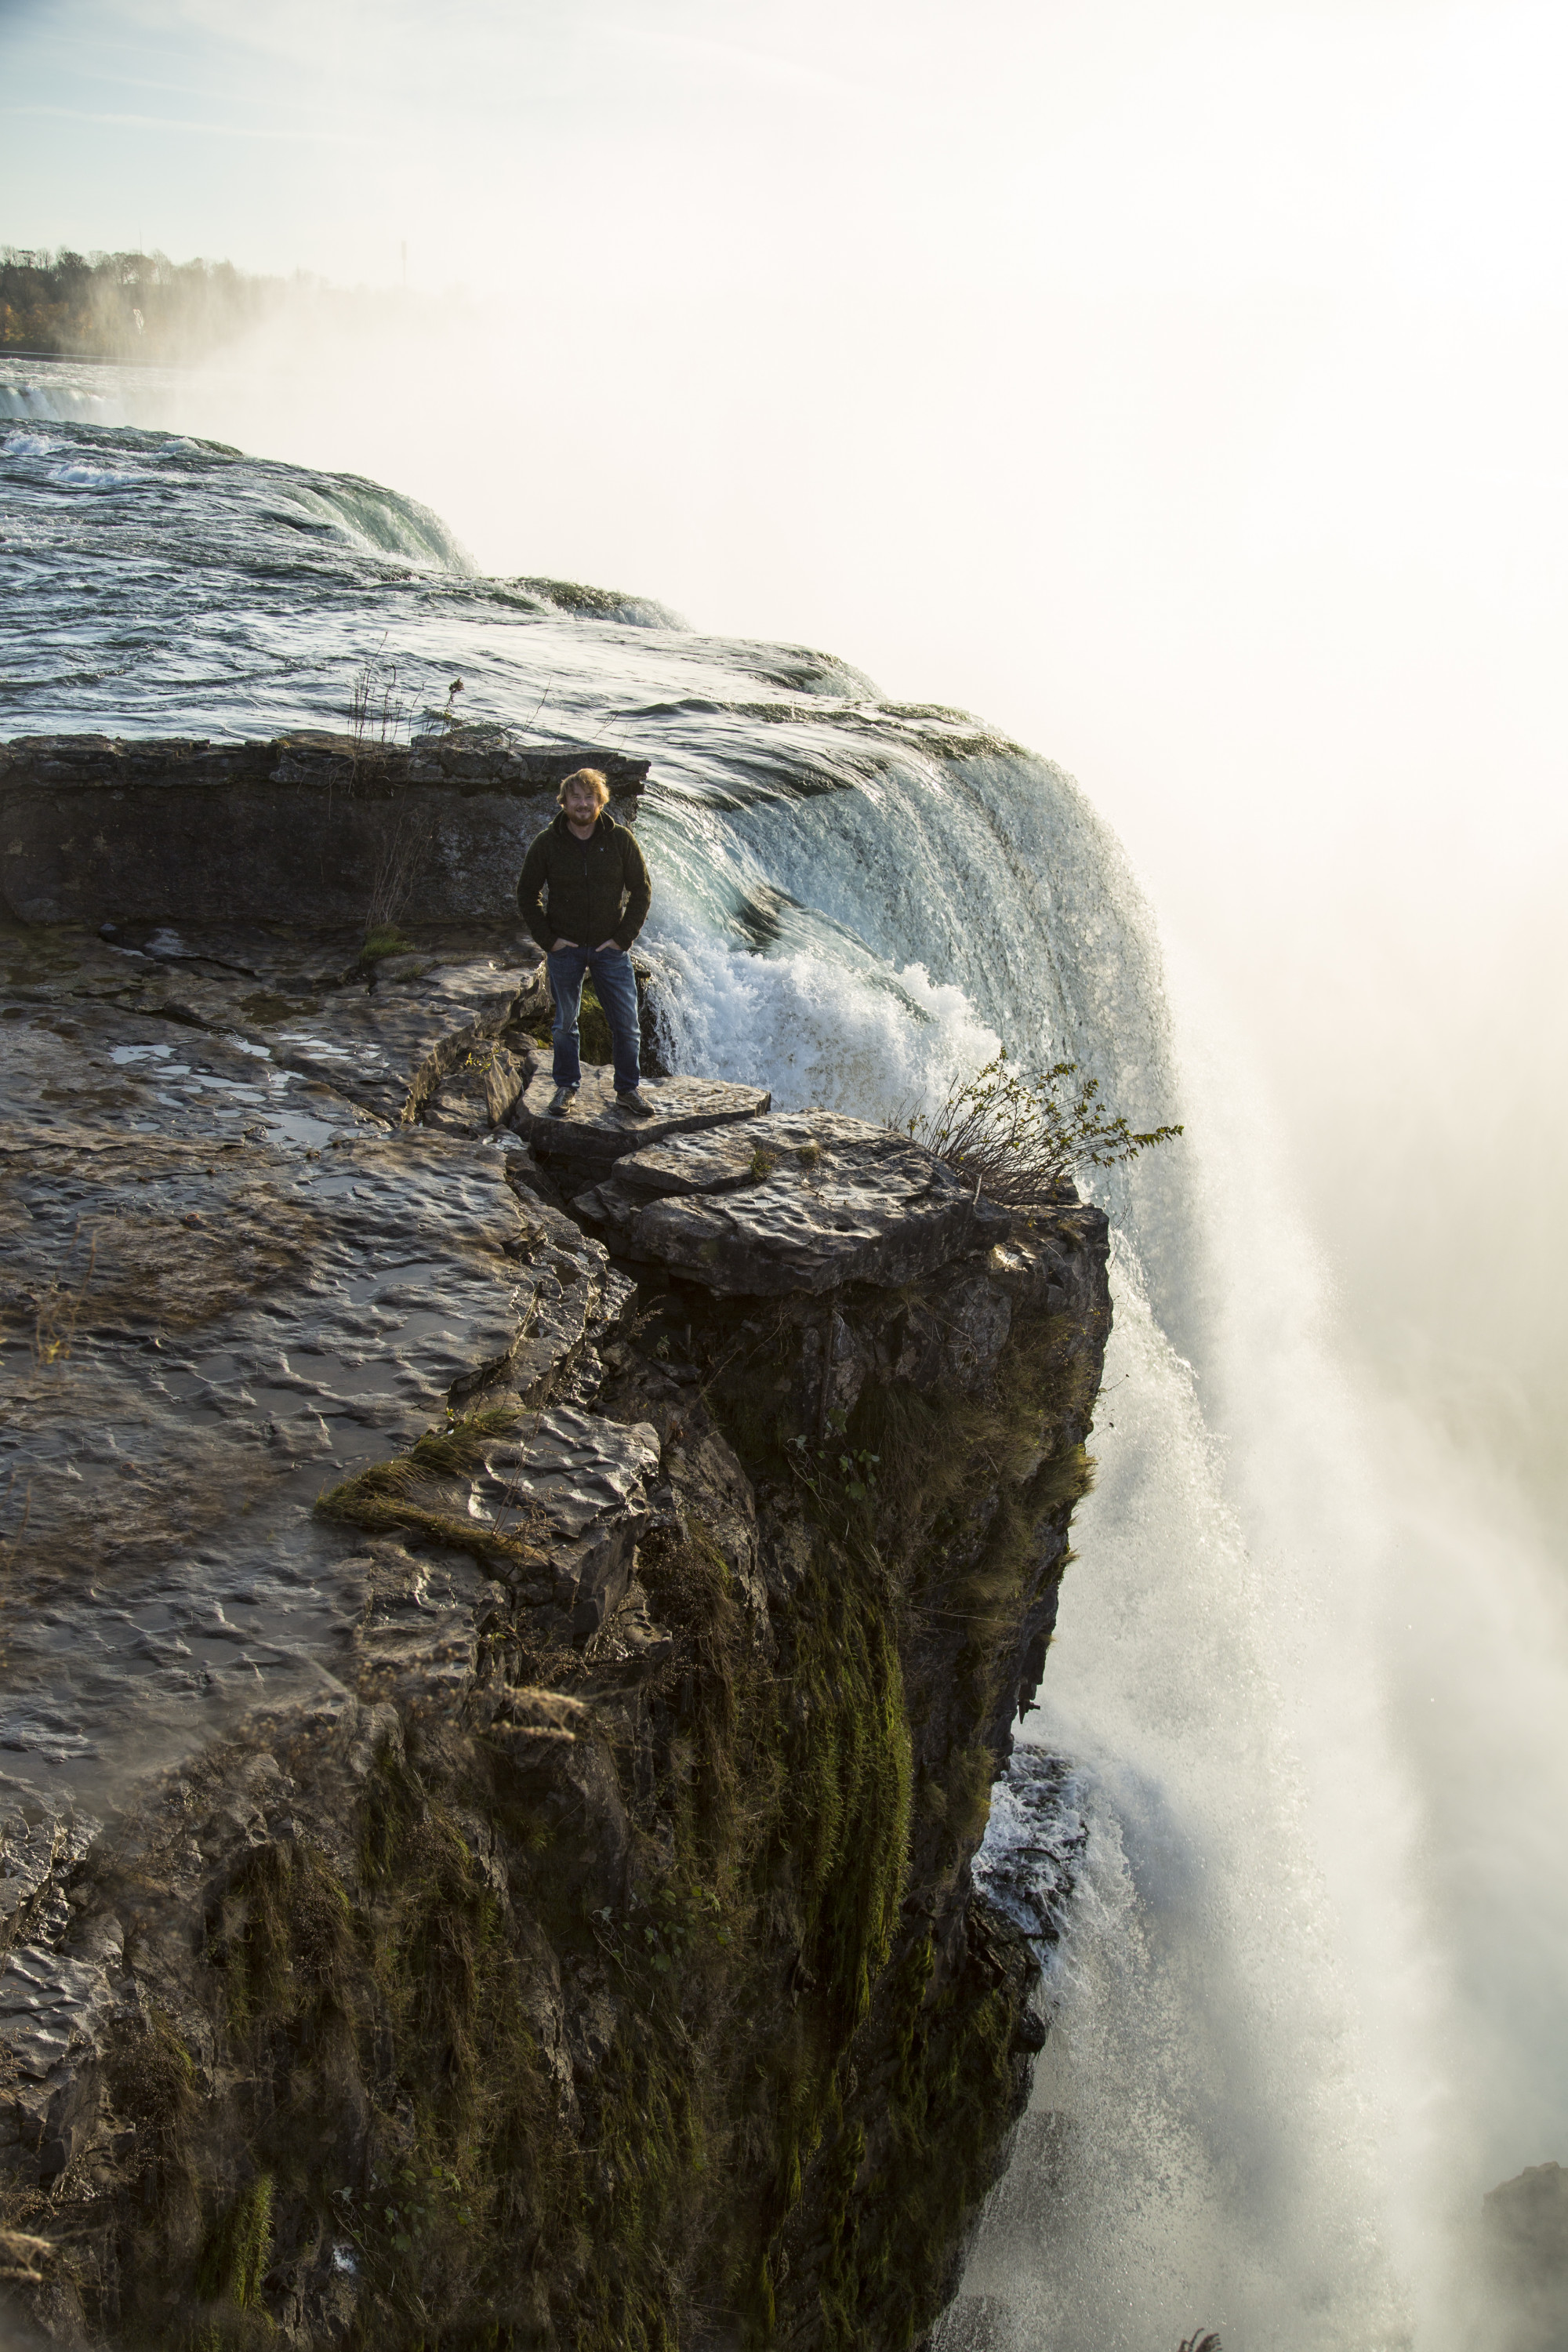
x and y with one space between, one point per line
581 804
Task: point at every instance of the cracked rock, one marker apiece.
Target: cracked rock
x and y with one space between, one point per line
829 1200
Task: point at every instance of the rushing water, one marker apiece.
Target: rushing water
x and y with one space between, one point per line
1278 2079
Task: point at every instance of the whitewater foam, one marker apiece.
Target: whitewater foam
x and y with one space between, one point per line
92 478
1203 2144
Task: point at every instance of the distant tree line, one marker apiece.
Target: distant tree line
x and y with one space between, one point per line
117 306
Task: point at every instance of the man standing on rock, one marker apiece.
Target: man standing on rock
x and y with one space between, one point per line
584 894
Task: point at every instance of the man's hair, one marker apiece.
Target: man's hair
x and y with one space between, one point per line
594 776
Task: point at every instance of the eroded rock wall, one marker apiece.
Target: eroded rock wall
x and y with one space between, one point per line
311 828
499 1704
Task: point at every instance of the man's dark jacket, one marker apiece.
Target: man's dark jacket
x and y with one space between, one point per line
585 890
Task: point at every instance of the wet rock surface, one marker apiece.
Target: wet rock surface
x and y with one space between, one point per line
236 1266
507 1627
797 1202
595 1133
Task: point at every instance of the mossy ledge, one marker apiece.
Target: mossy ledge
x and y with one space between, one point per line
518 1987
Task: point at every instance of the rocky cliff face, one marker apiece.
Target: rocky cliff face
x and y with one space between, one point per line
510 1626
318 828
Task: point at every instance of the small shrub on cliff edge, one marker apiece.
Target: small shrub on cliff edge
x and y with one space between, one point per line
382 940
1019 1135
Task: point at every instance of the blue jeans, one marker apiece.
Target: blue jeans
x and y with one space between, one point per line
617 992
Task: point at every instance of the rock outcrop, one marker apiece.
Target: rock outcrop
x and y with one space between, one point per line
510 1627
1524 2261
100 830
795 1201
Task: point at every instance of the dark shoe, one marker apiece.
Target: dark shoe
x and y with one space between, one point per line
633 1104
563 1102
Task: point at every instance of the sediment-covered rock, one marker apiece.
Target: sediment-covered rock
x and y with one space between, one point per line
496 1715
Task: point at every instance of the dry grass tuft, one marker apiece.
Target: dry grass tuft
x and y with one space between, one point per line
1018 1137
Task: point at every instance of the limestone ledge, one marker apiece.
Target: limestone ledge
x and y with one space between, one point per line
312 826
471 757
511 1623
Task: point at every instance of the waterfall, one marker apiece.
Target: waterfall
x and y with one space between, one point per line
1306 1697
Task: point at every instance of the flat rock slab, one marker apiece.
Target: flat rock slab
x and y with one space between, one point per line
721 1160
167 1037
94 1074
377 1047
598 1133
797 1200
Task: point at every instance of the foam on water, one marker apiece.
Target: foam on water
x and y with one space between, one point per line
92 478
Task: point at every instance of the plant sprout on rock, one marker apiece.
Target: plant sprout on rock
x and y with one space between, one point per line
1018 1136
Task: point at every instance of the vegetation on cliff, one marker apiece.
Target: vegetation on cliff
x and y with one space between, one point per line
1022 1134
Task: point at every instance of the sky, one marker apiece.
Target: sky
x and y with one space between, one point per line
1179 382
